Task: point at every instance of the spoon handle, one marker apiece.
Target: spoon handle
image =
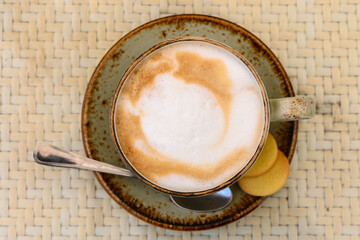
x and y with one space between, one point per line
50 155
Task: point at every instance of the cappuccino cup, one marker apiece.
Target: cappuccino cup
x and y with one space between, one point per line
191 115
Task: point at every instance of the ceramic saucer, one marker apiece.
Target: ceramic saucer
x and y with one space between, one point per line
137 198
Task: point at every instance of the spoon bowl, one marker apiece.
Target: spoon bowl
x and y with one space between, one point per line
49 155
211 202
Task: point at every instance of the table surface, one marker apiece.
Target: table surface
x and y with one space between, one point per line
49 50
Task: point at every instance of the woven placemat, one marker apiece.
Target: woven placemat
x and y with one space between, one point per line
50 49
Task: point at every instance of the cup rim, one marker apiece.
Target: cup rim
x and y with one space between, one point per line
249 163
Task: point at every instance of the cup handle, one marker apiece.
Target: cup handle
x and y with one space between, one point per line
292 108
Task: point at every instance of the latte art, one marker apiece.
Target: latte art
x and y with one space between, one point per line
189 116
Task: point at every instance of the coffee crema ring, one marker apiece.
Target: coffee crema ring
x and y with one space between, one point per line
189 116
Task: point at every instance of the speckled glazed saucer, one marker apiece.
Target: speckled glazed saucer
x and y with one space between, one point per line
137 198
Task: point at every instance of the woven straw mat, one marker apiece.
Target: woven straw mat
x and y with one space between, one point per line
49 50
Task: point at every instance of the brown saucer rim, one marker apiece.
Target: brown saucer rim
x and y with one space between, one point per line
234 27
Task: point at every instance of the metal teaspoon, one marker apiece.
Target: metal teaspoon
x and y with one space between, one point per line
50 155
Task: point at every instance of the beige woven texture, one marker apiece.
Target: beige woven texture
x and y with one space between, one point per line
48 52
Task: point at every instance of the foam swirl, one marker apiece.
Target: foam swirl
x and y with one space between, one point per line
189 116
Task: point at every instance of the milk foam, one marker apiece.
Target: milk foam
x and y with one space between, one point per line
185 135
